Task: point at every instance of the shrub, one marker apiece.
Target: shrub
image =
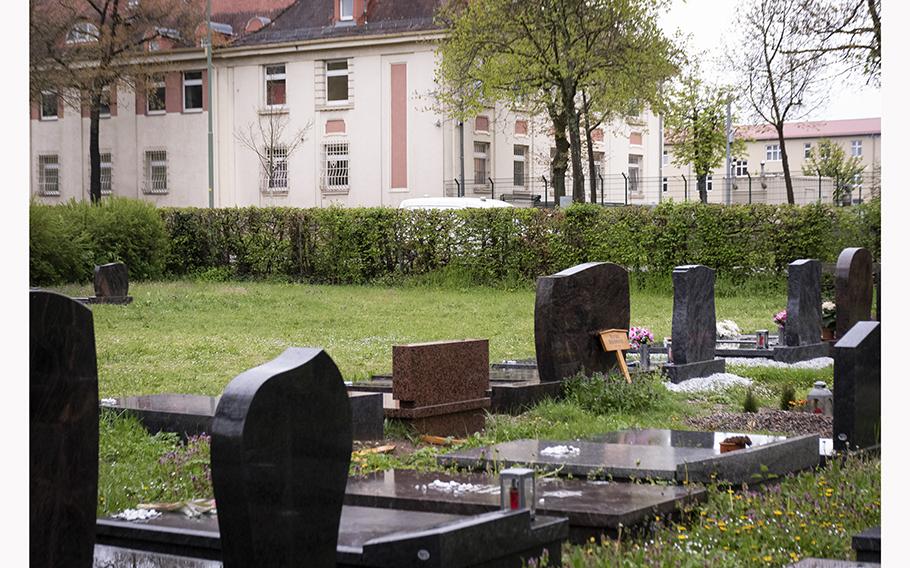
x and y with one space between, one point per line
750 403
787 397
128 231
602 394
59 250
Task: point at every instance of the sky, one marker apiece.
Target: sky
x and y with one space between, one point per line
710 22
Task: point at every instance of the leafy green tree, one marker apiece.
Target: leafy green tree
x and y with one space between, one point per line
695 120
828 159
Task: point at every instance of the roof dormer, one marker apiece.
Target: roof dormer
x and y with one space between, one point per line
349 12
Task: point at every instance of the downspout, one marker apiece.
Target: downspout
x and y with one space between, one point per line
208 62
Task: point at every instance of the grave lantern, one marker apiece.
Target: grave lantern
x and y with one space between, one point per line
820 400
761 339
517 489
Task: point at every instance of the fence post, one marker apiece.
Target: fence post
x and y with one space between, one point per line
750 186
492 188
457 188
625 179
819 187
685 188
544 178
601 177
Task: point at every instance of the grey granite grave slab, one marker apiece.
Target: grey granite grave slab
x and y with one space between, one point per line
868 545
569 308
678 373
63 431
793 354
592 507
116 557
858 387
694 325
633 461
853 288
829 563
804 303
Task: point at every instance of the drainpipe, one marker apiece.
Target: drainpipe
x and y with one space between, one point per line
461 155
208 61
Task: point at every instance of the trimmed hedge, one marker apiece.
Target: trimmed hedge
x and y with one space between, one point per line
362 245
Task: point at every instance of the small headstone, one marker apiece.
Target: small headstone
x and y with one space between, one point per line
858 387
804 303
694 324
570 308
63 431
111 280
853 288
440 372
281 448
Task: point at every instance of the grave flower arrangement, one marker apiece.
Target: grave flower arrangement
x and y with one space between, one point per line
639 336
727 329
780 318
829 315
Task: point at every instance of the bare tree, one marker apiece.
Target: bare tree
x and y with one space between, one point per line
80 49
268 139
779 80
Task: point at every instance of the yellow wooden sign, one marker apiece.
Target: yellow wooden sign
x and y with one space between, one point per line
617 341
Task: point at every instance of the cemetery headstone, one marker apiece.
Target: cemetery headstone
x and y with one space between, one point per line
111 280
570 308
858 387
63 431
281 447
853 288
802 333
694 324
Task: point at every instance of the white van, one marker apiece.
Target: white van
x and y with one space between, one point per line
452 203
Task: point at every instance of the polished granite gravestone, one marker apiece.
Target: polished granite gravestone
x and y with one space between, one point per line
592 507
368 537
570 308
63 431
641 461
111 283
868 545
858 387
440 388
802 339
694 326
853 288
191 414
829 563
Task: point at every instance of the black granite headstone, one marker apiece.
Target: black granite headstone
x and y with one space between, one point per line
804 303
858 387
111 280
281 447
853 288
694 324
63 431
571 306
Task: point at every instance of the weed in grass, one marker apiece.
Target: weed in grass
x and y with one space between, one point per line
750 403
787 397
601 393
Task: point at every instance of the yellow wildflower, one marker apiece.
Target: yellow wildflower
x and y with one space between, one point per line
681 537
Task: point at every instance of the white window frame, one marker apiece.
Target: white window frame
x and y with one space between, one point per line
152 158
856 148
807 149
43 167
332 176
341 6
520 158
274 76
193 83
41 115
635 179
159 83
278 181
107 166
105 94
485 156
709 183
740 168
665 159
82 32
772 153
346 72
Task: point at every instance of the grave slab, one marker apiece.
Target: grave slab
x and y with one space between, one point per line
592 507
853 288
794 354
111 283
829 563
858 387
63 431
678 373
569 308
804 303
868 545
694 327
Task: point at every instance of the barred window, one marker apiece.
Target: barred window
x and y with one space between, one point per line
520 166
336 170
106 173
275 85
155 171
276 174
48 174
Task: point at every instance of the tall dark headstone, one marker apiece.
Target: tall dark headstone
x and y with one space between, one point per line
853 288
571 306
858 387
804 303
694 324
281 447
111 280
63 432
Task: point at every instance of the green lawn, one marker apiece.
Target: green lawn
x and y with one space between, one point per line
194 337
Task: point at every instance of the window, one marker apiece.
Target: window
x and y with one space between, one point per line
192 90
48 107
104 106
520 166
48 175
336 78
665 160
740 168
857 184
346 9
709 183
275 85
856 148
276 174
155 171
154 45
335 175
106 173
664 184
155 98
772 152
634 173
83 32
807 149
481 162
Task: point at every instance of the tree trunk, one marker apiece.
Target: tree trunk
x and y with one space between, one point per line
559 162
567 93
703 188
592 169
94 152
785 163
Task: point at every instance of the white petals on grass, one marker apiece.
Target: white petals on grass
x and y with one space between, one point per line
560 451
457 488
818 363
137 514
715 382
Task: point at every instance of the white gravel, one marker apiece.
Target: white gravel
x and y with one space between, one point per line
137 514
818 363
560 451
717 381
457 488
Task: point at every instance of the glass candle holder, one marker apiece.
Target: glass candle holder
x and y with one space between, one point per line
517 489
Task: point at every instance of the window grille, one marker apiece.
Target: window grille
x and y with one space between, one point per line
49 174
335 174
156 171
106 173
276 174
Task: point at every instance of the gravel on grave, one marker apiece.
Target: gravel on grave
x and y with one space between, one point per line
717 381
766 419
817 363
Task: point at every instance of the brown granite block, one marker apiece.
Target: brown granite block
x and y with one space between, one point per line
440 372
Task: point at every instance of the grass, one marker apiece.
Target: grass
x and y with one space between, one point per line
194 337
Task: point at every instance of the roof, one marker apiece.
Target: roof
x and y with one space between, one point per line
313 19
236 13
813 129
